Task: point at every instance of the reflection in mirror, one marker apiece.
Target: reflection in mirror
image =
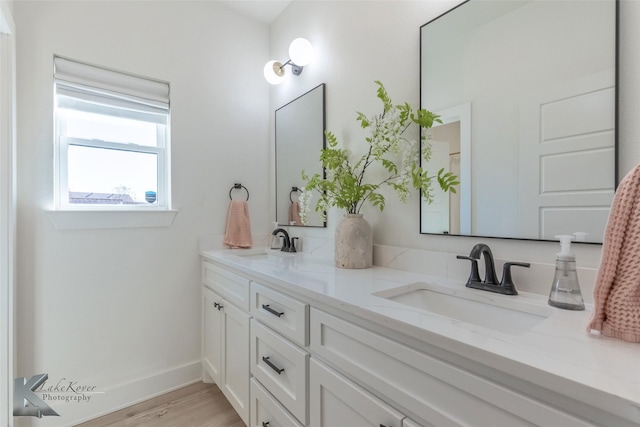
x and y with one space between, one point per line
300 126
526 91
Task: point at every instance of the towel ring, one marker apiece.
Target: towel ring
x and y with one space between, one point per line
237 187
293 190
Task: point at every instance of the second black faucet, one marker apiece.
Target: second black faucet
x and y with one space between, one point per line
288 245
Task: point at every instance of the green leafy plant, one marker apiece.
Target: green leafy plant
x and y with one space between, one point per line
346 185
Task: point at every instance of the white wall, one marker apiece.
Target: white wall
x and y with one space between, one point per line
359 42
120 308
7 211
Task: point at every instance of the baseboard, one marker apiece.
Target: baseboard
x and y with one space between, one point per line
122 395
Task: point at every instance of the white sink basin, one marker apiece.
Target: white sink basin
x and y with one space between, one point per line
258 254
503 313
255 255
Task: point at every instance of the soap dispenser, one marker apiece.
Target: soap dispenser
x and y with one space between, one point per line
565 291
276 240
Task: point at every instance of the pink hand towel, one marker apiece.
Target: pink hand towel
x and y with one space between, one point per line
294 213
238 234
617 291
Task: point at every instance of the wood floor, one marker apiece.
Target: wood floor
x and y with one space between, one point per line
198 405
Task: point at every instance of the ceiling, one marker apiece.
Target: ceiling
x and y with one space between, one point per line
265 11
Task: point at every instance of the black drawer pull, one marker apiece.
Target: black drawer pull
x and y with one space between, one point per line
272 311
265 424
272 366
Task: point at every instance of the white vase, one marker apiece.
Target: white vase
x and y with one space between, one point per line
354 242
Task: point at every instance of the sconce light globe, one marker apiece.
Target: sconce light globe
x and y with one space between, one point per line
301 52
274 72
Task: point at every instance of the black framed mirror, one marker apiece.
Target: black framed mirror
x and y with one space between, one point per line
299 129
527 93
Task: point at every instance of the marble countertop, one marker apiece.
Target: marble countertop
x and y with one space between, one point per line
557 353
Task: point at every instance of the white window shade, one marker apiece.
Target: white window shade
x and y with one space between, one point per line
66 70
111 104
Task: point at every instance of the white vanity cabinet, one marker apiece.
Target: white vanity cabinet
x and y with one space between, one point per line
314 363
225 335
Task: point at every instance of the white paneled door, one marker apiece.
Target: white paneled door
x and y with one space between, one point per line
567 158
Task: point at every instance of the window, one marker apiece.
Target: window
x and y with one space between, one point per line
111 139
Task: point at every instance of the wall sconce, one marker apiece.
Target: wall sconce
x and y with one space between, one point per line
300 54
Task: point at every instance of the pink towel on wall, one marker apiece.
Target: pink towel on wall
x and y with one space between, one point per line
617 291
238 234
294 213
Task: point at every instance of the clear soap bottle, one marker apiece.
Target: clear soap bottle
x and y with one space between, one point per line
565 291
276 241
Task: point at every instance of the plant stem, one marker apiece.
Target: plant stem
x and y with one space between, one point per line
364 199
367 162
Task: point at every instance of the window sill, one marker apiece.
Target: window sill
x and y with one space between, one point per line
82 219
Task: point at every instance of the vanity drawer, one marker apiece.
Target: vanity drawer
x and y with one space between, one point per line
233 287
266 410
281 367
432 389
280 312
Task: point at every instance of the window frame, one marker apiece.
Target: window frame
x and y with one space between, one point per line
62 202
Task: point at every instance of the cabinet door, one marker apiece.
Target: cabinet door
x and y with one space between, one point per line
235 358
336 401
212 335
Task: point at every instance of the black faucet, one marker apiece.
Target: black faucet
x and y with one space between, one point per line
287 244
490 282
